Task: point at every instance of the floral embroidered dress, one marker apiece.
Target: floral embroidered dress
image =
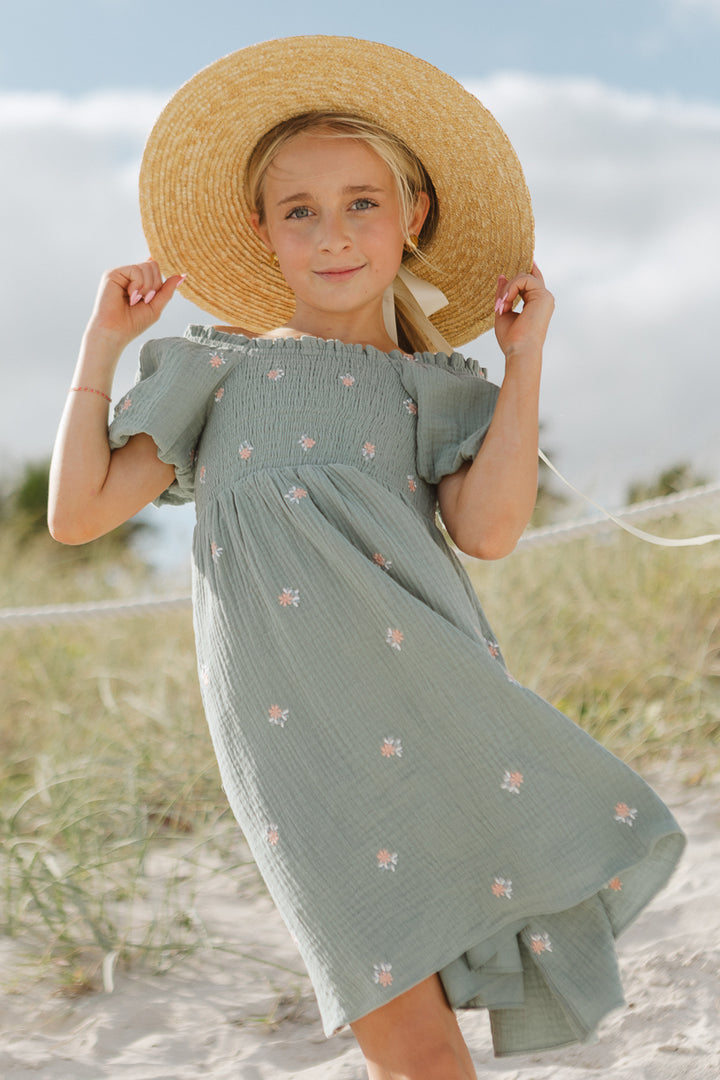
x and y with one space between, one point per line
412 808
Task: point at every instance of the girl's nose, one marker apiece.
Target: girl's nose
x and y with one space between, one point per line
334 234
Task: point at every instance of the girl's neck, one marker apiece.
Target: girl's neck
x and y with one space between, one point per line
331 326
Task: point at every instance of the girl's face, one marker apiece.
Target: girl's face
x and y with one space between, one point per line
332 216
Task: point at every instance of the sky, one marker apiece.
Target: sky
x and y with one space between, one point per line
613 108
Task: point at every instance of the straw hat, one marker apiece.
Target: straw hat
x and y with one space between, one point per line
196 219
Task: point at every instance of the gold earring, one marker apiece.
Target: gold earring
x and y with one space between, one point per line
274 261
414 241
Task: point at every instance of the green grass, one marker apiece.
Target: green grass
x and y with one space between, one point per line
106 764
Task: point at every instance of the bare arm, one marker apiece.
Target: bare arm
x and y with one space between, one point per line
487 503
93 490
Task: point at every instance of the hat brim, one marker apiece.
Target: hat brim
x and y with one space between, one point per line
196 218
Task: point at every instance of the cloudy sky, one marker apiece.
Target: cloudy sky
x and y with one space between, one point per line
614 110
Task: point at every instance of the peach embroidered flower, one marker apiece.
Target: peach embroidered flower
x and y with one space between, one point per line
204 675
193 455
202 475
295 494
219 394
511 678
624 813
347 379
368 451
540 943
306 442
391 747
412 483
217 361
278 715
394 638
245 450
382 974
411 406
512 781
615 884
379 560
493 647
502 887
275 374
289 597
387 860
215 551
272 835
126 404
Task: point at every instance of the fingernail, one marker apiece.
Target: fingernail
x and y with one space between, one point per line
150 295
498 307
135 298
181 280
502 302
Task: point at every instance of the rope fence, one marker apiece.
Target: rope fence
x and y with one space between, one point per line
653 509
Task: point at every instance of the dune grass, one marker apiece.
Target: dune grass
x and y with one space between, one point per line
105 760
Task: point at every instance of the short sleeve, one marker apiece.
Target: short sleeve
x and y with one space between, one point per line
455 406
173 393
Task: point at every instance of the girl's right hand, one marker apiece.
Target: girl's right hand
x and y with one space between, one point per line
130 299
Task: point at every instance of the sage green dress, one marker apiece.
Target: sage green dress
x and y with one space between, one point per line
412 808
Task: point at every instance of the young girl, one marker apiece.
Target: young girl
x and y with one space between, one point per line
434 834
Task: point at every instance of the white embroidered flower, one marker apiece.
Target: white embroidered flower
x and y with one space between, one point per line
540 943
289 597
624 813
394 638
272 835
502 887
275 374
215 550
205 675
512 781
382 974
411 406
295 494
387 860
382 562
391 747
278 715
493 647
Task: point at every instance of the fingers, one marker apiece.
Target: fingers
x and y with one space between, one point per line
508 291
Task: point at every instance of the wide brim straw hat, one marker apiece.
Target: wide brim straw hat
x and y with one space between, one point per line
196 217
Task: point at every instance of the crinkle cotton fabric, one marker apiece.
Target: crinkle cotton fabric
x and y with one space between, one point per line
412 808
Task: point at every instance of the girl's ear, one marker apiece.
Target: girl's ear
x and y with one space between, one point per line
260 229
417 219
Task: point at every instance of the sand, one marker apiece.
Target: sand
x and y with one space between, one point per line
248 1013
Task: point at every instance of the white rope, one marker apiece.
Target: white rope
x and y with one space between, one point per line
552 534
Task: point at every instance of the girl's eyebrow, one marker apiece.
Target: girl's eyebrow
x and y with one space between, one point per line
350 189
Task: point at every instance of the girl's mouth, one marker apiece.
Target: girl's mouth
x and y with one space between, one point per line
341 273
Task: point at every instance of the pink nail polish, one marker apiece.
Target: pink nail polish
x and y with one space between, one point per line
135 298
149 296
181 280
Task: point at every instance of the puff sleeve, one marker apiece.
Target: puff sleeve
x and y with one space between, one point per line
170 401
455 406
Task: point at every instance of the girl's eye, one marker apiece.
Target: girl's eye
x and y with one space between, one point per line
363 204
299 212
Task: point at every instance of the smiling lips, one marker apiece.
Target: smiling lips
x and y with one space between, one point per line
342 273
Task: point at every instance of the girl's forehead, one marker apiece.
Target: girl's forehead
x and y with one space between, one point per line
322 156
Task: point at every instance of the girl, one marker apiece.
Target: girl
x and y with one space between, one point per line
434 834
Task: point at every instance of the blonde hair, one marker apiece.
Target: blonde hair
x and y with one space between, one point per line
407 170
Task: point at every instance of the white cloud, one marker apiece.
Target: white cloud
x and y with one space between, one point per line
628 226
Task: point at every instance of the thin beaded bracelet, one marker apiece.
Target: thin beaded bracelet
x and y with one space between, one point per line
92 390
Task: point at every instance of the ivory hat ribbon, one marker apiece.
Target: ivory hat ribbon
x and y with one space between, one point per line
422 299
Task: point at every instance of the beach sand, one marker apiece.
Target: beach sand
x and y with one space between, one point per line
249 1014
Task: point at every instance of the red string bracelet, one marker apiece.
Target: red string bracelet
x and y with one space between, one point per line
92 390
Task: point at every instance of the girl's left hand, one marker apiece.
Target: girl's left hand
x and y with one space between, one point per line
522 331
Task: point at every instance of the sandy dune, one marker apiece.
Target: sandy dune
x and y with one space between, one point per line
224 1015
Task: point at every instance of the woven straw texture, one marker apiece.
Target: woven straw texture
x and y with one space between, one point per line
196 219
